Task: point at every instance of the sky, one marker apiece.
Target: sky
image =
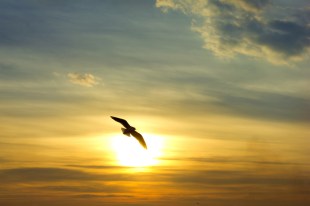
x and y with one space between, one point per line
218 88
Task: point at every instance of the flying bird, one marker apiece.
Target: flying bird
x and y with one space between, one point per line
129 130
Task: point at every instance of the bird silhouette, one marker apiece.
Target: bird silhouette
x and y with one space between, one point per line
129 130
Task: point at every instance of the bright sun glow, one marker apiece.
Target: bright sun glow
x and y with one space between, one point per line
130 153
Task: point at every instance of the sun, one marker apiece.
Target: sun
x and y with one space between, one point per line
130 153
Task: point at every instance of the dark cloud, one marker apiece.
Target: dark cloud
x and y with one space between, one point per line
286 37
89 188
102 196
245 27
54 174
4 160
45 174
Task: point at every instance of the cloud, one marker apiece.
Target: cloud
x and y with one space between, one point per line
163 182
45 174
267 105
228 99
179 176
102 196
96 166
56 174
87 80
223 178
250 5
244 27
3 160
83 188
239 160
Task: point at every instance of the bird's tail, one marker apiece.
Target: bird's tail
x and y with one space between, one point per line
125 132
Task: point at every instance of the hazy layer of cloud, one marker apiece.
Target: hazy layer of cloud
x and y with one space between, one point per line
170 174
246 27
162 182
215 95
87 80
267 105
96 188
239 160
58 174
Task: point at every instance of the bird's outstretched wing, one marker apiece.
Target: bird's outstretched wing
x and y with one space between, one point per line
139 137
122 121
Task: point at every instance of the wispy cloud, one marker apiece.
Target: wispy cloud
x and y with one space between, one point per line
87 80
44 174
57 174
250 28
